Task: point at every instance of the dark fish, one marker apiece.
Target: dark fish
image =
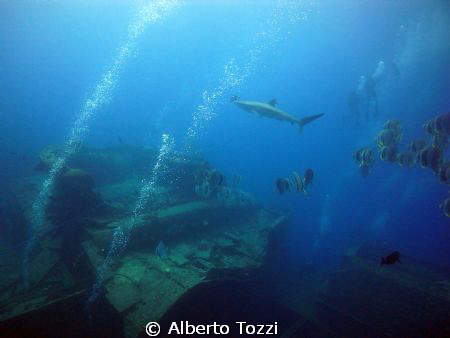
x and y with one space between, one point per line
391 259
442 124
364 156
119 139
389 153
445 206
367 157
417 145
358 156
279 185
388 137
430 157
422 158
444 172
407 158
439 140
309 176
282 185
161 251
438 125
429 126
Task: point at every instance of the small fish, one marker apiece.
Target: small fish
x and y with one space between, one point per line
357 155
442 124
445 206
430 157
309 176
439 140
368 158
283 185
299 183
438 125
388 137
161 251
389 153
406 159
417 145
391 259
429 126
444 172
119 139
364 157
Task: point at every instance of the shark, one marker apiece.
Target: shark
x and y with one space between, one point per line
270 110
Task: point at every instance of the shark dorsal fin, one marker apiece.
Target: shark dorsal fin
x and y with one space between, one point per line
273 102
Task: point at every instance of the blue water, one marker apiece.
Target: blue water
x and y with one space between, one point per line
310 56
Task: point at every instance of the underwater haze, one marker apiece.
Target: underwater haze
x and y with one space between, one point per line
168 76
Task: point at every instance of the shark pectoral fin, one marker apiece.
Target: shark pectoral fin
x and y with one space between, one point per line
308 119
273 102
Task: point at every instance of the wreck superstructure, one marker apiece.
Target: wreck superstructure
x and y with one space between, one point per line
206 225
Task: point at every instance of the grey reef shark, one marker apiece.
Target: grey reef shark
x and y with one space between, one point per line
270 110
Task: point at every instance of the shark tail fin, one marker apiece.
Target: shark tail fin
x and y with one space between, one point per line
308 119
